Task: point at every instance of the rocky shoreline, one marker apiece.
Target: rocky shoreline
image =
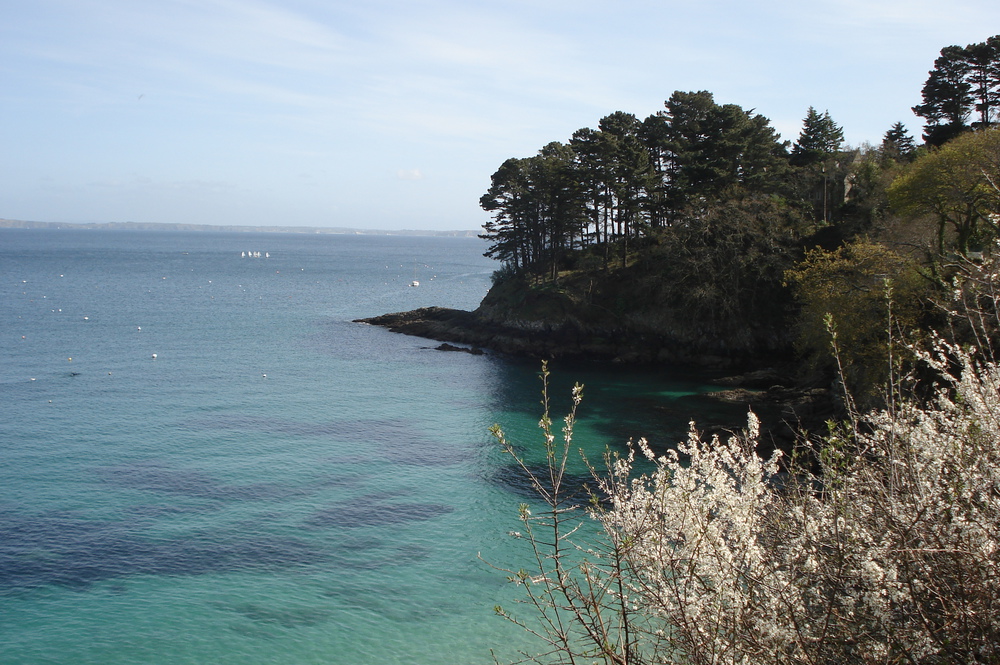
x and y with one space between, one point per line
533 339
469 328
785 405
437 323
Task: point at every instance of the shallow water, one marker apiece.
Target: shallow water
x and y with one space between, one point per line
279 484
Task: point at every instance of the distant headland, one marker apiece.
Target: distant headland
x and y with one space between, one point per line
151 226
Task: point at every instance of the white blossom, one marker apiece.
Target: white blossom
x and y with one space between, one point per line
743 569
889 552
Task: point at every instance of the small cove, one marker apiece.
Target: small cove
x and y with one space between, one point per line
278 484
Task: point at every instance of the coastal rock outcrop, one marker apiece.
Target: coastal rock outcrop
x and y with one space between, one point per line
566 338
629 315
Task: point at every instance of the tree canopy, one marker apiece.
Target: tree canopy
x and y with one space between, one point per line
707 220
897 144
958 185
628 179
964 84
820 138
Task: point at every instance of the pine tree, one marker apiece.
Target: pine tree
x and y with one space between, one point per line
984 76
712 148
964 84
898 145
820 138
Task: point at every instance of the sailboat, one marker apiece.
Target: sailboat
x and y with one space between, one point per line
414 282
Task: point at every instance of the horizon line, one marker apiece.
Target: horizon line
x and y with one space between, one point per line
238 228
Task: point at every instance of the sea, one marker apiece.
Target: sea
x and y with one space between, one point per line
204 459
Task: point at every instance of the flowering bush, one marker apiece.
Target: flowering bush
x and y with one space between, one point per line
889 552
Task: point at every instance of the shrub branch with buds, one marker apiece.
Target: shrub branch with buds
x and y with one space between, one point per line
887 552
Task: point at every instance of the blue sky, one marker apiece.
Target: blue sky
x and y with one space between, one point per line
389 114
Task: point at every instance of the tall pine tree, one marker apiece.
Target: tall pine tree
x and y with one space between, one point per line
962 91
898 145
711 148
820 138
984 76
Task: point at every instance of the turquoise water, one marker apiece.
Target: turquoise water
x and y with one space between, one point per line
279 484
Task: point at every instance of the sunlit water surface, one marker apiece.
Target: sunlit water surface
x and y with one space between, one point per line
203 460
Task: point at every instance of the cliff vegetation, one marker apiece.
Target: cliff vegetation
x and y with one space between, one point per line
698 236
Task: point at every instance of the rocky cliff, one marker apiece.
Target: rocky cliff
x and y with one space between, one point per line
619 320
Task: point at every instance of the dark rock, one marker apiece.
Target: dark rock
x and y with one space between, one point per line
761 378
789 413
476 351
564 338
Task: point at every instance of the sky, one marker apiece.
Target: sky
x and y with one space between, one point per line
393 114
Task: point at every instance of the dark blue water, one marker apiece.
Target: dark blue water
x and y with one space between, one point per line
278 484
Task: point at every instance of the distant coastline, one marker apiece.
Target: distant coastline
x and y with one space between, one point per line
151 226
